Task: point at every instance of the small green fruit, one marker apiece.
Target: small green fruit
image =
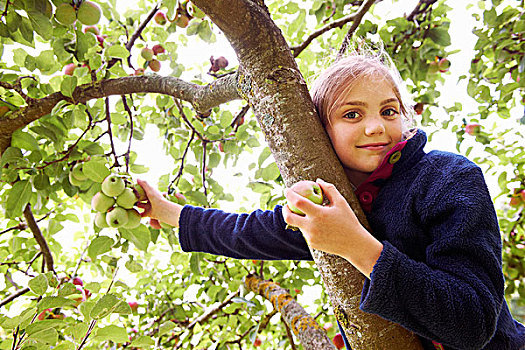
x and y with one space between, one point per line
78 172
65 14
101 203
89 13
147 54
117 217
139 193
126 199
100 220
308 189
73 180
133 219
113 185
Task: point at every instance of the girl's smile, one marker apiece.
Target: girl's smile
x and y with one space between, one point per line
365 126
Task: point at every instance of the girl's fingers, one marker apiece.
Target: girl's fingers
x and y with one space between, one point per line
330 192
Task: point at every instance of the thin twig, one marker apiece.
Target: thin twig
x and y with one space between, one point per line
128 110
365 6
33 226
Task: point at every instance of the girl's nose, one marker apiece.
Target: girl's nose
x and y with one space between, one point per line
374 126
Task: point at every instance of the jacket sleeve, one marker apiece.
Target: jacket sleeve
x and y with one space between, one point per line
259 235
454 296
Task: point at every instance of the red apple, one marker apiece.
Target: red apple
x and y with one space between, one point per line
160 18
257 342
154 65
418 108
92 29
180 198
158 49
472 128
77 281
42 315
522 194
221 146
515 201
139 71
69 68
309 190
338 341
133 305
100 40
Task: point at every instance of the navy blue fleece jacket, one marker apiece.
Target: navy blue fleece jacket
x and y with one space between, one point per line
439 274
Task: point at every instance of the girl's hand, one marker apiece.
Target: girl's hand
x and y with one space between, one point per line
158 208
334 228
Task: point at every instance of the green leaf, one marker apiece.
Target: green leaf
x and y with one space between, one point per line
271 172
104 306
226 119
440 36
38 284
24 140
166 327
43 325
139 236
100 245
114 333
68 85
96 170
18 198
117 51
41 24
77 331
195 265
142 341
47 336
53 302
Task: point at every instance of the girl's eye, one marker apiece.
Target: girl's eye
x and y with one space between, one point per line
351 115
390 112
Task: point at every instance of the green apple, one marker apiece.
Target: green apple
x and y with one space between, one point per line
65 14
113 185
73 180
89 13
126 199
100 220
133 219
117 217
147 54
101 203
139 193
78 172
308 189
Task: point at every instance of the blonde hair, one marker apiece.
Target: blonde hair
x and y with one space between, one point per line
333 84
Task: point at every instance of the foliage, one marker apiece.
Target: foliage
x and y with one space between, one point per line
44 309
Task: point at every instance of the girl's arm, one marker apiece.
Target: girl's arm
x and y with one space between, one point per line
260 235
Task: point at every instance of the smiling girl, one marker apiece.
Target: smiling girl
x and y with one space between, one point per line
433 256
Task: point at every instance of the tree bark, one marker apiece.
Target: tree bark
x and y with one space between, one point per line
303 326
271 82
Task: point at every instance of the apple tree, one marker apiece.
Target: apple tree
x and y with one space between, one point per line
81 80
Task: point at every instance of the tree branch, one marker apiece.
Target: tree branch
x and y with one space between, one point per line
355 17
365 6
33 226
202 97
304 326
14 296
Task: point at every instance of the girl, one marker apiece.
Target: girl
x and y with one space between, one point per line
433 257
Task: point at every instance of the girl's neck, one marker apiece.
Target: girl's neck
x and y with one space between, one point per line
356 177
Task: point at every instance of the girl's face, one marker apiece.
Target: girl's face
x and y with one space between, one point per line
365 126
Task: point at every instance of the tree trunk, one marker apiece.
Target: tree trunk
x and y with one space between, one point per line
271 82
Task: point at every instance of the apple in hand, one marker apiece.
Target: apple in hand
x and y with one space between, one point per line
308 189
